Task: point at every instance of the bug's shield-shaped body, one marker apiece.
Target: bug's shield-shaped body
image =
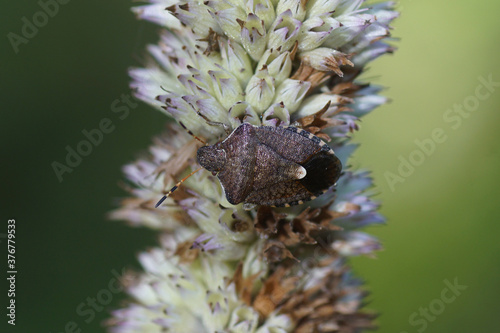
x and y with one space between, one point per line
271 166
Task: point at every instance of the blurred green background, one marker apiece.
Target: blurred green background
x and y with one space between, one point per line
443 219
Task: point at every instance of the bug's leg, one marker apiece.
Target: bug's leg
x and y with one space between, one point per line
227 129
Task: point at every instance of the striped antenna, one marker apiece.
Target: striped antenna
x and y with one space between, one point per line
175 187
192 134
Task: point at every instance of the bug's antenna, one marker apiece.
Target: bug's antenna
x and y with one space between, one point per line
192 134
175 187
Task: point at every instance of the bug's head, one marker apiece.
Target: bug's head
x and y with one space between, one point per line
211 158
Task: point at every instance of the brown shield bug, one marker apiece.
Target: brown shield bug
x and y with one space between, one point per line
270 166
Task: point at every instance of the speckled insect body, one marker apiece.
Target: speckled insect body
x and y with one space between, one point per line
271 166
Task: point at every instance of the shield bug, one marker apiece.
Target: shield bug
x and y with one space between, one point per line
270 166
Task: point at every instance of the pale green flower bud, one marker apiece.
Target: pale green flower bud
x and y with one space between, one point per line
279 65
243 111
197 16
253 36
225 88
315 31
276 115
227 16
264 9
321 7
284 32
317 102
291 93
236 61
260 91
297 8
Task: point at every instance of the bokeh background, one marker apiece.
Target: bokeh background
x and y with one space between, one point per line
443 216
